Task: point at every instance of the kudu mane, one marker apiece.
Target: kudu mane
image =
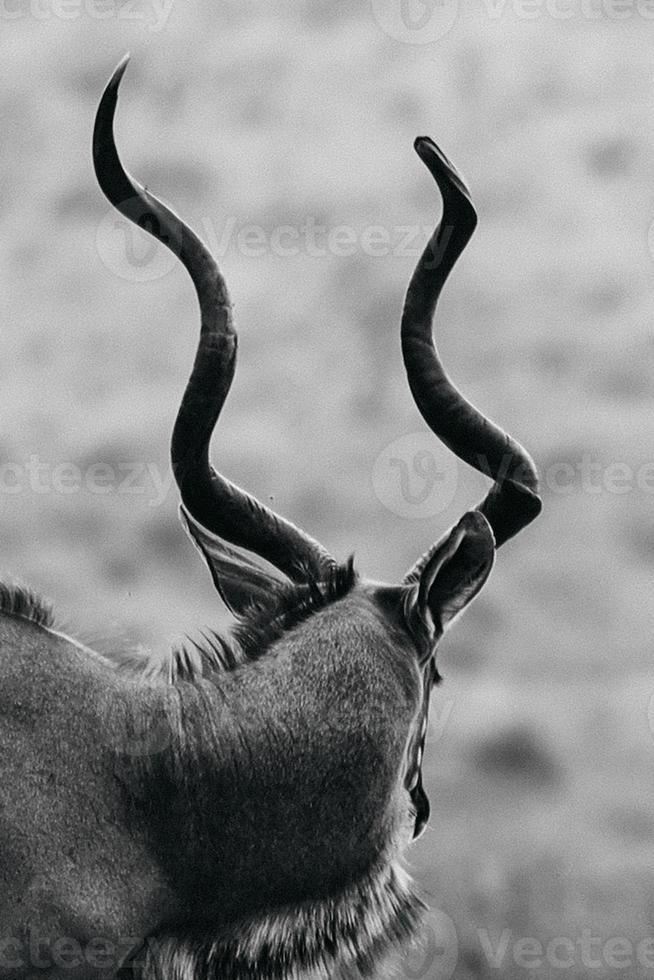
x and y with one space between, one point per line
21 602
261 625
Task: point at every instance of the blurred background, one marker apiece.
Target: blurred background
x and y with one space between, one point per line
283 133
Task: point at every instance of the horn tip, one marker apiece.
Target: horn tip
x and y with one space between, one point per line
118 73
429 151
443 170
102 131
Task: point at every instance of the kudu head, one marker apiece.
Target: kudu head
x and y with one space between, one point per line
215 512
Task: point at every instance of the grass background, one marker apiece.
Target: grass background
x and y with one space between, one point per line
539 767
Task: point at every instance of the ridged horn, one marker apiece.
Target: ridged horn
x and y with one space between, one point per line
213 501
513 500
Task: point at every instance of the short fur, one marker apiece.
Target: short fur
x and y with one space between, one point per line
352 925
356 928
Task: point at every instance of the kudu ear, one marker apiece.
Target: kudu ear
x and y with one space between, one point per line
452 573
239 581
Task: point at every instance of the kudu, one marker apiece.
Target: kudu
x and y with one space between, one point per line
259 832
